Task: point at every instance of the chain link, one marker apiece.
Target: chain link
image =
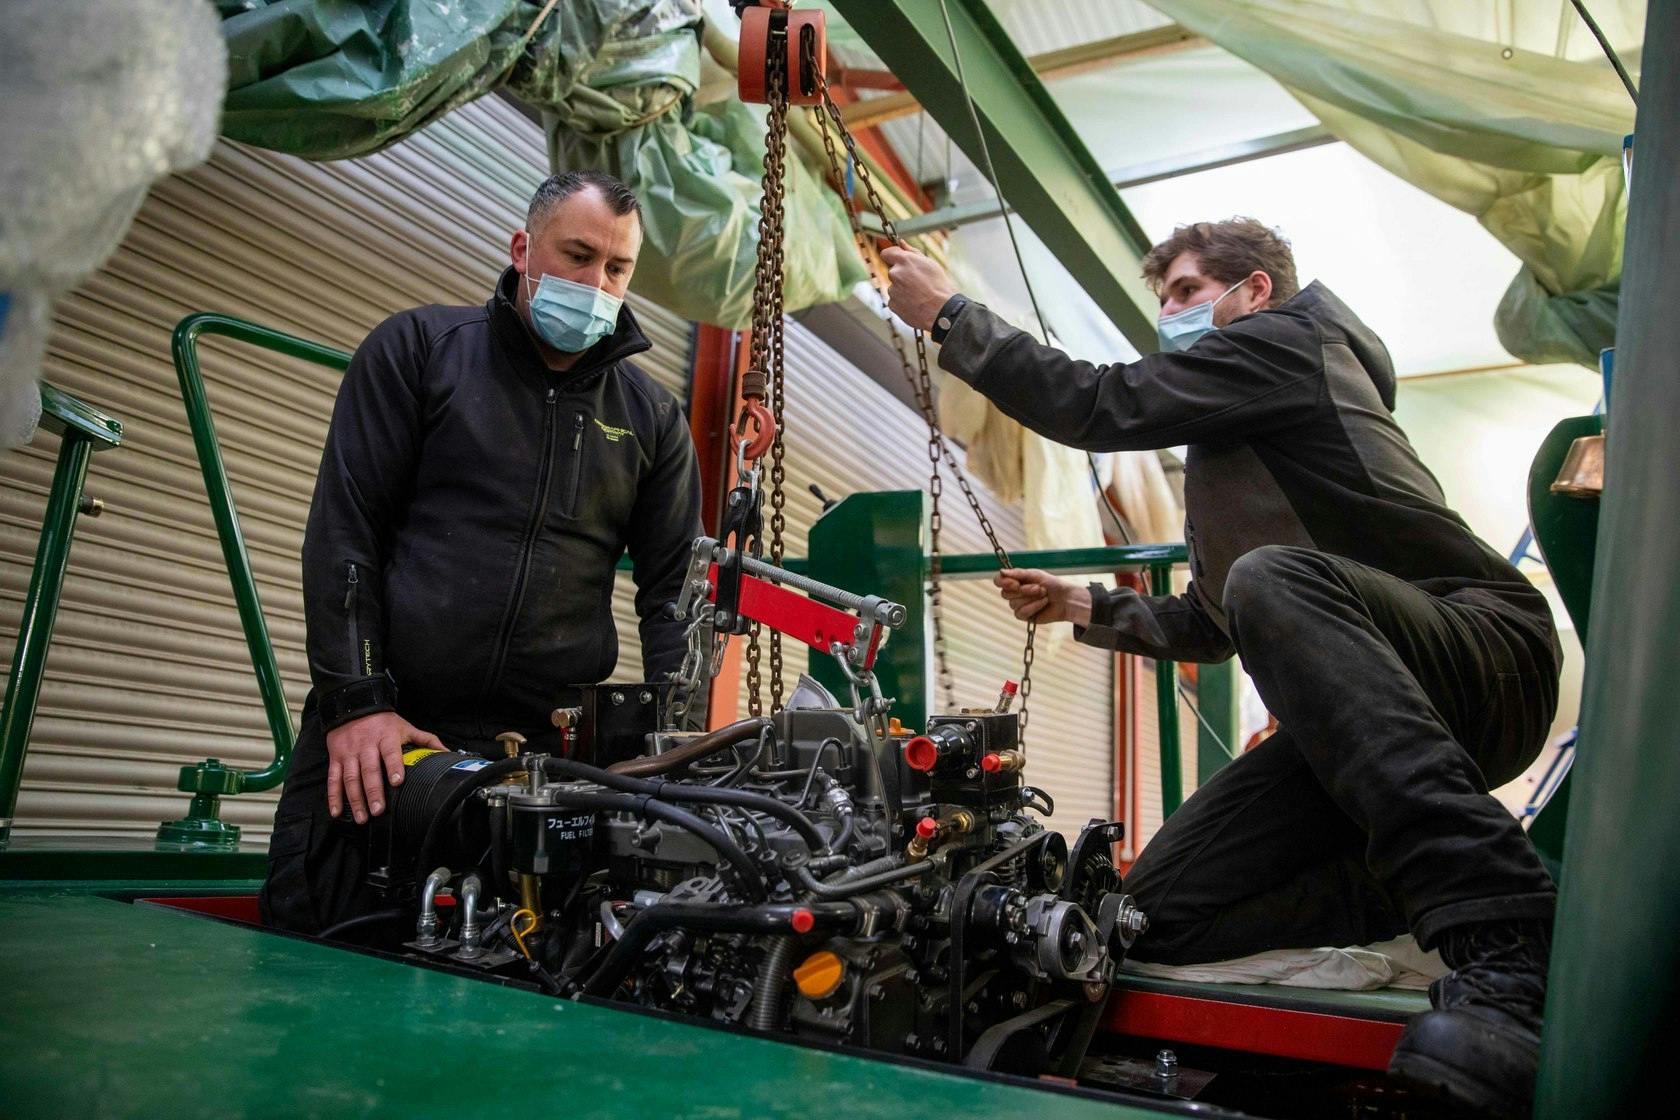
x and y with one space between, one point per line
936 483
922 388
766 353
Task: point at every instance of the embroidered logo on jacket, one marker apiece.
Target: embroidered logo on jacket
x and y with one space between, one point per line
613 434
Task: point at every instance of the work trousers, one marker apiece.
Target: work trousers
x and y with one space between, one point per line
317 866
1368 812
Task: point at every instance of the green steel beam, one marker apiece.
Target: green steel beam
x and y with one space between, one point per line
1210 159
1612 1022
93 859
1044 170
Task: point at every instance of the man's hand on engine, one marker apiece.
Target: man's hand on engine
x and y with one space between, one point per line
362 755
919 286
1038 596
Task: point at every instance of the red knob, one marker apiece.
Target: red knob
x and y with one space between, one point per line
802 921
927 828
991 763
921 754
1010 688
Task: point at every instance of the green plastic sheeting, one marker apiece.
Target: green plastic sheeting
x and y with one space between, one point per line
608 98
328 79
333 80
1508 111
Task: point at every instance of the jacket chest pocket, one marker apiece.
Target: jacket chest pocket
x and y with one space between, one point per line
597 470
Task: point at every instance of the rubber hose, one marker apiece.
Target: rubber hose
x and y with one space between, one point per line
862 885
358 921
772 976
752 879
712 917
704 795
710 743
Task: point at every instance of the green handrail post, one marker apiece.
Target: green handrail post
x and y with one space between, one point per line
210 780
1166 700
82 431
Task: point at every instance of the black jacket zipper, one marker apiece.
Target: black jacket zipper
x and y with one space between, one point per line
577 465
533 526
352 611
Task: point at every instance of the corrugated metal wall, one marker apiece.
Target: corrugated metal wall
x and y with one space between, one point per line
845 433
148 669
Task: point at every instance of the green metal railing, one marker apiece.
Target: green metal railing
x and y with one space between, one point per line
82 430
210 780
877 543
1158 561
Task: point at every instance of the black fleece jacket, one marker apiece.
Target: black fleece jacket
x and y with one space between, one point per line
471 507
1287 414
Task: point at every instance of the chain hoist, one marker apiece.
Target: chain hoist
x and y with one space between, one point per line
921 386
782 63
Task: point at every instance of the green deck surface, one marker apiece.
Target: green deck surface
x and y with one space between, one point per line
134 1011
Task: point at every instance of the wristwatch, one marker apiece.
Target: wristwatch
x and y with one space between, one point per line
947 317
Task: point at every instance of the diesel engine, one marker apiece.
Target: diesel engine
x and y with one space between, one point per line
785 874
820 872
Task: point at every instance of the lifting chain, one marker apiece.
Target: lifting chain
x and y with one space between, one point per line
921 386
764 377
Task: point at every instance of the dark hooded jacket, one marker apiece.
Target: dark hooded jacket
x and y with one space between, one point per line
1287 413
471 507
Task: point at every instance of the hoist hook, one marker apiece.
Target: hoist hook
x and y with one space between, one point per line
764 430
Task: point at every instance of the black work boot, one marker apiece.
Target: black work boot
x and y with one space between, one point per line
1480 1046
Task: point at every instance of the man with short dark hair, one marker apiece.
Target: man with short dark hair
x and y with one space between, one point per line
1410 667
485 469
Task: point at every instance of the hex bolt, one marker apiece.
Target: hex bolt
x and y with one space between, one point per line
1166 1065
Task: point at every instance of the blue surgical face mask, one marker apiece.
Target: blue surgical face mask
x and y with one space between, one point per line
1180 330
569 316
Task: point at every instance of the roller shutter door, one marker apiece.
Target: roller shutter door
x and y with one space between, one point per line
148 668
845 433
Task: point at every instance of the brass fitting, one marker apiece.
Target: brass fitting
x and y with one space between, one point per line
530 898
1003 762
930 832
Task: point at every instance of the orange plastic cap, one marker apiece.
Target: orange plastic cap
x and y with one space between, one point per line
820 975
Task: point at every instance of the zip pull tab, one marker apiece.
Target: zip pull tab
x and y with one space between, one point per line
577 433
350 592
551 392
